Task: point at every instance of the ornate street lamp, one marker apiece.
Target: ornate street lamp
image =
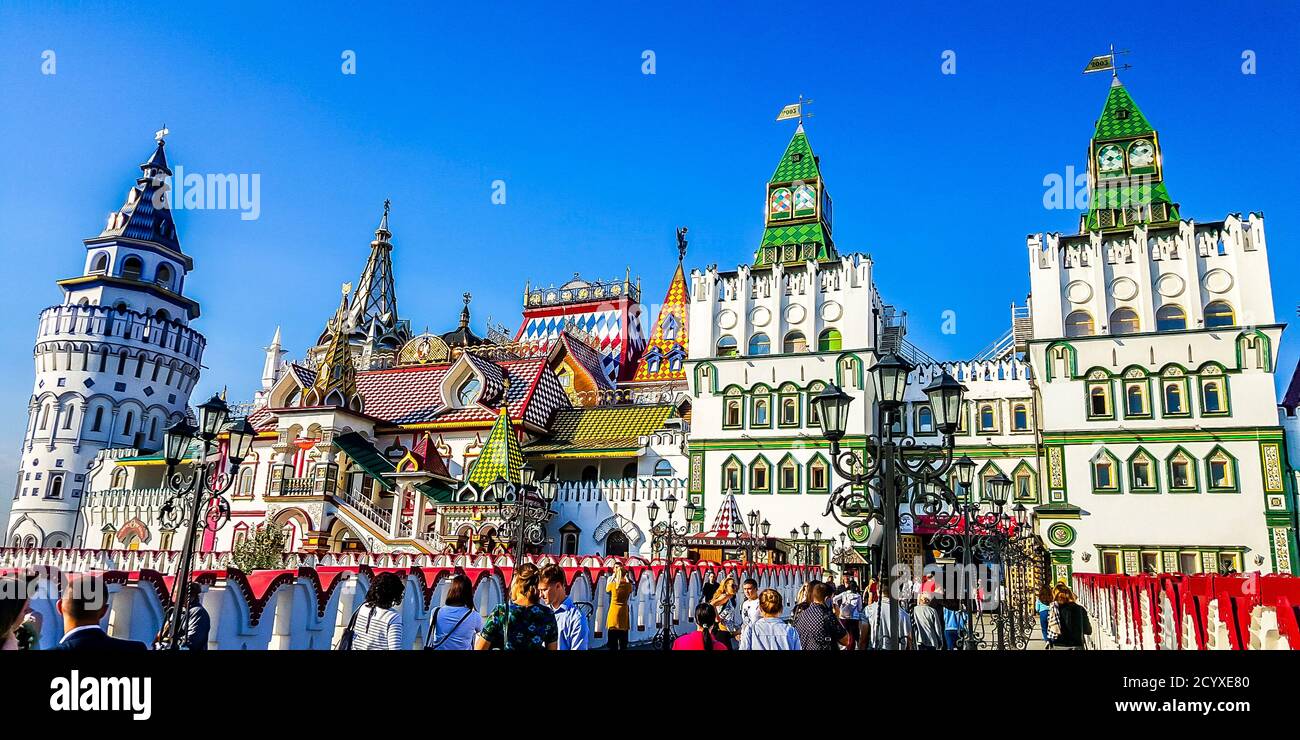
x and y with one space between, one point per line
529 502
664 532
880 469
198 494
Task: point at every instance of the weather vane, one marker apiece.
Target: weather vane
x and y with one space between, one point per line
1106 62
795 110
161 133
681 243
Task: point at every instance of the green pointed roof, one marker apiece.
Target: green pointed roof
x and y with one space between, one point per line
1122 119
806 236
798 162
1115 124
500 458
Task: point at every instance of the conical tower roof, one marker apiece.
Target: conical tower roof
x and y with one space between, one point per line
501 456
336 371
373 313
728 522
797 208
146 215
664 359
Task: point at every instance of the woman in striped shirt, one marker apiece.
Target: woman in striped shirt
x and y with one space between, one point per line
378 622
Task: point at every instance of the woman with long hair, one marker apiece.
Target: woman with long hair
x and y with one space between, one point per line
1044 606
378 622
618 621
454 624
724 601
523 623
1067 622
706 621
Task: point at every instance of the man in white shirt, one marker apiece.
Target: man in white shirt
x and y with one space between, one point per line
749 611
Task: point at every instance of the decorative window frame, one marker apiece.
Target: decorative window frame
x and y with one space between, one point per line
740 475
1209 374
996 408
733 394
780 477
1137 378
916 421
754 465
1029 416
1058 351
1024 470
1192 469
1175 375
789 392
1233 469
1154 464
810 413
760 394
989 470
1117 484
816 459
1263 350
1099 379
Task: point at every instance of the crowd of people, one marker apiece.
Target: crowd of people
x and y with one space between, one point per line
541 615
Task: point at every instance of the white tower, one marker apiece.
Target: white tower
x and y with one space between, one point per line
115 362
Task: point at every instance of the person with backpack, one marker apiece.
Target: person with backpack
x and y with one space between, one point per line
455 623
1067 622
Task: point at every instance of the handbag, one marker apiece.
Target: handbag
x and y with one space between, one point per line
345 641
433 624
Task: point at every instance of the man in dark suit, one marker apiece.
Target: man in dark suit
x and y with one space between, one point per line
83 605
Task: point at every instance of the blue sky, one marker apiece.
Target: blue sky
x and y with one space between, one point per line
939 177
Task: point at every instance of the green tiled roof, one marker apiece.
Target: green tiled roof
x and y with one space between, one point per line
805 168
1120 196
775 236
500 457
366 457
1111 125
602 427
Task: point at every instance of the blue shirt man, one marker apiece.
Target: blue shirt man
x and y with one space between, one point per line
575 633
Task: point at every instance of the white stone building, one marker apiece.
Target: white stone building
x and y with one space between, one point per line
1153 348
115 362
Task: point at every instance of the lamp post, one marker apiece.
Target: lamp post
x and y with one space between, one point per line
881 469
664 532
977 536
529 502
197 493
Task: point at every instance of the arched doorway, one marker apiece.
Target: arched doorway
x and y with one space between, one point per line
616 544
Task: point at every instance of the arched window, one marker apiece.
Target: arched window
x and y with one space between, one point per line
1171 317
731 476
162 315
1079 324
988 418
1218 314
794 342
119 478
1173 398
590 474
760 480
924 420
759 344
1020 417
1136 400
126 426
1124 320
1099 401
1212 397
829 341
100 265
468 391
727 346
818 475
663 468
163 276
132 267
56 486
629 471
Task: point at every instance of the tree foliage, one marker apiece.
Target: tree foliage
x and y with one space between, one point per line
262 550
